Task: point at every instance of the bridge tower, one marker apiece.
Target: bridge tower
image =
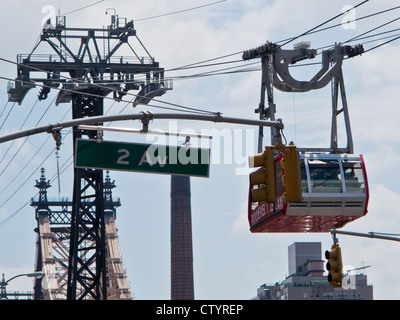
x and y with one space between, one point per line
53 217
84 68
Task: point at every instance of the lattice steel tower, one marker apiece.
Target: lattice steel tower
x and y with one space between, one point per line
85 69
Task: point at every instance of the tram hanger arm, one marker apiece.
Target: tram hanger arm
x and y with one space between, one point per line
284 81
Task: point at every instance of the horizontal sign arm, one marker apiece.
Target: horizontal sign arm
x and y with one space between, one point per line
142 116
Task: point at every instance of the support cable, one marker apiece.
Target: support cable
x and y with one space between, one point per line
4 108
353 20
11 144
180 11
382 44
320 25
210 73
20 147
8 114
373 29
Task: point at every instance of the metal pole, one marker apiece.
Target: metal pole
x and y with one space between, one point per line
366 235
98 119
155 132
261 106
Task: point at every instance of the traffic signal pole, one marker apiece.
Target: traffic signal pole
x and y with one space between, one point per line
375 235
334 255
49 128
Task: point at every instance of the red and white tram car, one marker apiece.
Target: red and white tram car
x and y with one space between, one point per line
335 192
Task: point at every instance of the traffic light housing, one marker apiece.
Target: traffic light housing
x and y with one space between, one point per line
334 266
292 176
264 177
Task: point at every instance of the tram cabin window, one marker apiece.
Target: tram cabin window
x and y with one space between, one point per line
325 176
303 173
354 177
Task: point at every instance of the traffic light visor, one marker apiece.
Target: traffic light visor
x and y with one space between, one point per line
258 195
256 160
258 177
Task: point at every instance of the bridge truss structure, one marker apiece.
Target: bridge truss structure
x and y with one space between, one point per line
53 231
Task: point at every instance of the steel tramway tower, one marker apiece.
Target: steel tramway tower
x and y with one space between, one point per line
85 69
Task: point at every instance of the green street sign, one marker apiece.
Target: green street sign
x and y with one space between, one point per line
150 158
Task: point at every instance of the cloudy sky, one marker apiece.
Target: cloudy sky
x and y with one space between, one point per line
229 261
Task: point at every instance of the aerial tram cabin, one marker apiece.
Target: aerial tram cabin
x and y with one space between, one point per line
334 189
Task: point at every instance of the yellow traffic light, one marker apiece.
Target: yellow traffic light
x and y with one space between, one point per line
264 177
292 177
334 266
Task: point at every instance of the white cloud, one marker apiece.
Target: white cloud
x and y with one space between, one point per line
382 217
241 224
383 210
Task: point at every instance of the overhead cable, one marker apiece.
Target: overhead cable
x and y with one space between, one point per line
320 25
350 21
179 11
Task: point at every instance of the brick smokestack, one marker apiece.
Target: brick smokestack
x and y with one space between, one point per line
181 240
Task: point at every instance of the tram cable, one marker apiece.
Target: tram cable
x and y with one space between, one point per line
179 11
12 142
23 143
4 108
8 114
321 24
382 44
373 29
353 20
198 65
13 215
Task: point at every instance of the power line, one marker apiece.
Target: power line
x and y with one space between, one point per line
8 114
85 7
11 216
193 110
20 147
11 144
26 165
218 72
373 29
382 44
4 108
353 20
19 188
179 11
320 25
207 60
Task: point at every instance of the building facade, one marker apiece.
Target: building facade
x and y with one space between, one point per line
306 280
